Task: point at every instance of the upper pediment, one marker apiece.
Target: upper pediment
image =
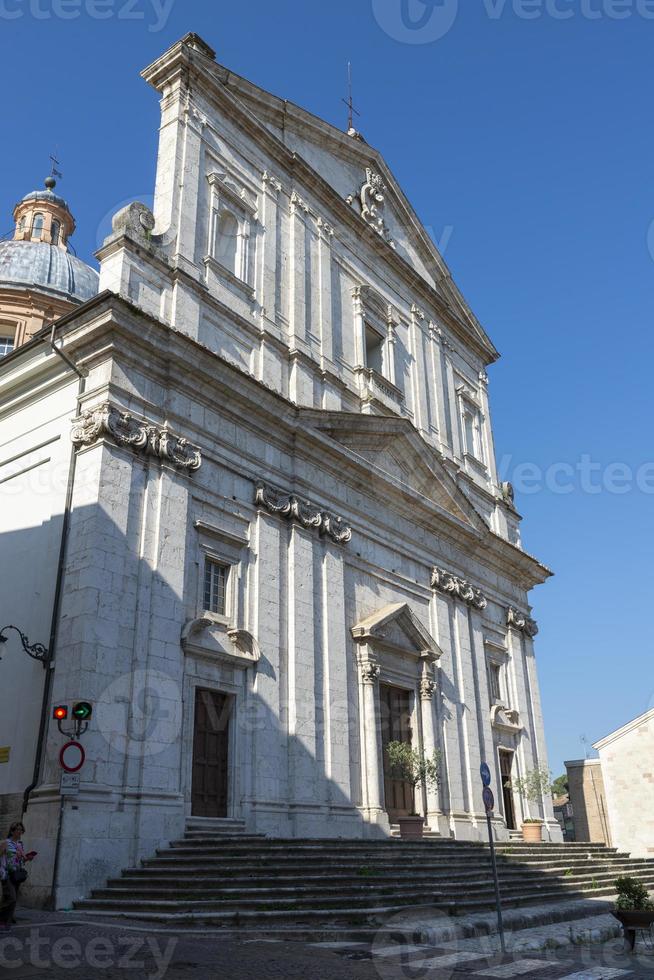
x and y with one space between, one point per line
355 171
393 448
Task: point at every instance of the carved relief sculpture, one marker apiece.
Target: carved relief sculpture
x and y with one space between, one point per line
372 199
521 622
303 512
137 434
451 585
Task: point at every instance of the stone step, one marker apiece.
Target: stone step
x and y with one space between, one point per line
399 872
270 862
203 913
237 878
326 882
291 903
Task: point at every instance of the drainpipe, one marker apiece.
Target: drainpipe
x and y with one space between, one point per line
47 689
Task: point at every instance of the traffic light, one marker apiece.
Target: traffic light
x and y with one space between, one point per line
82 710
60 713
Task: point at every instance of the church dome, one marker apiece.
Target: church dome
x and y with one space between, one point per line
46 268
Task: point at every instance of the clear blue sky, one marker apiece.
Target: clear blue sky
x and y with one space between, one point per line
531 141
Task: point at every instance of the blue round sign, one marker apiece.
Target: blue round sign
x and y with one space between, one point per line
485 774
489 799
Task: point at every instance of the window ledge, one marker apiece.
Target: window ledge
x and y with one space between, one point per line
477 464
375 387
227 276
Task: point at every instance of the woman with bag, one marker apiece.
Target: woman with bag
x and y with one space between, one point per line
7 902
15 859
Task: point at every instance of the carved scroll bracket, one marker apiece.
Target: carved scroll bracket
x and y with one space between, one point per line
136 434
302 512
450 584
522 622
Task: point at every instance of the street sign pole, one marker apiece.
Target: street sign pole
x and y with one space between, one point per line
498 900
489 804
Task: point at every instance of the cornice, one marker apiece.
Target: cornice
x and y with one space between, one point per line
197 372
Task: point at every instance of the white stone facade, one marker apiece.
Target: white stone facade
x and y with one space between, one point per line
280 379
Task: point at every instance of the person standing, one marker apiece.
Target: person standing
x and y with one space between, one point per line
7 904
15 861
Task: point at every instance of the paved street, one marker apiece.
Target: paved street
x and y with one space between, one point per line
59 946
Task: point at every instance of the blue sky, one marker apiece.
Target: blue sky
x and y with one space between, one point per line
525 144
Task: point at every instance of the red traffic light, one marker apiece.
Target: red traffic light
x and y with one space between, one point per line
60 713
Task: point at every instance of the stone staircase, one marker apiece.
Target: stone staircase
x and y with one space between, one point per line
220 876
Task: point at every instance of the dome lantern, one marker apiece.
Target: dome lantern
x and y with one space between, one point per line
43 216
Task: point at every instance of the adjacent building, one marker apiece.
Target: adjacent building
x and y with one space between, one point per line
626 758
251 507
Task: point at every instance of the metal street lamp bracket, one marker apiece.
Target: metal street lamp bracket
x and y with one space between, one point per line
34 650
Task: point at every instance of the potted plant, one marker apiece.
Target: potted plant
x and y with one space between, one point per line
532 787
634 909
417 769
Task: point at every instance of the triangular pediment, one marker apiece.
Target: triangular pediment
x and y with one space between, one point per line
339 159
392 448
396 627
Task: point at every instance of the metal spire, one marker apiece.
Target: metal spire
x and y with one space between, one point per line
349 101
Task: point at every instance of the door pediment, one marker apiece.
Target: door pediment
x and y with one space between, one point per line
397 628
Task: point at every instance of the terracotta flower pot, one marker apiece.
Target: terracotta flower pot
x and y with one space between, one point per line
532 833
411 828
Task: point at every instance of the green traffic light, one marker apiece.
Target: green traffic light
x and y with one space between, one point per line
82 710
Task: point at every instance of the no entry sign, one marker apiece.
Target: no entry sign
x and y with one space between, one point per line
71 757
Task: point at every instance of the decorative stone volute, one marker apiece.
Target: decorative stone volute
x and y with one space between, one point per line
303 512
142 437
451 585
521 622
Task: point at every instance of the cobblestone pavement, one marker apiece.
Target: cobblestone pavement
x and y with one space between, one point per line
57 946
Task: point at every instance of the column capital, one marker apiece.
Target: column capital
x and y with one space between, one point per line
370 671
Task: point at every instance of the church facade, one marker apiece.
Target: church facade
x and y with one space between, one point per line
273 537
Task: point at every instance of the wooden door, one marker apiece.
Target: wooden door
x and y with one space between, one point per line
396 727
506 768
211 754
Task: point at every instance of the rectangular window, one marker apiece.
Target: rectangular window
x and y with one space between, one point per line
215 586
494 679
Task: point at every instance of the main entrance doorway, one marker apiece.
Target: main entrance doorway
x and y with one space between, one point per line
395 727
211 754
506 768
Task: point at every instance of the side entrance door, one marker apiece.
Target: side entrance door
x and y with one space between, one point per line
506 768
211 754
396 727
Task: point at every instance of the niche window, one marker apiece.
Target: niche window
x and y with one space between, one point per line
495 682
226 242
216 578
374 350
233 213
472 420
55 232
37 226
